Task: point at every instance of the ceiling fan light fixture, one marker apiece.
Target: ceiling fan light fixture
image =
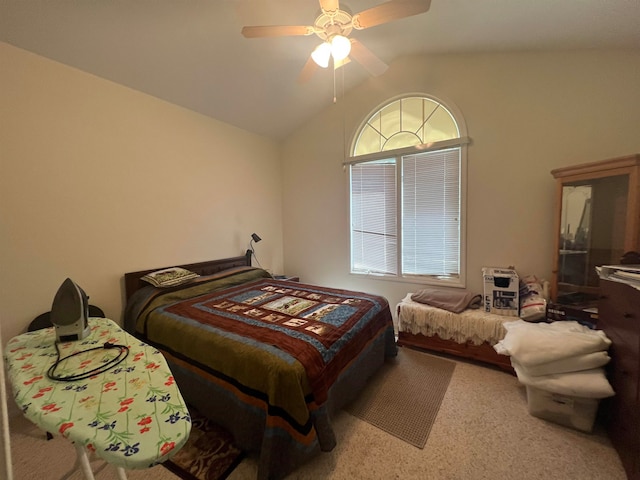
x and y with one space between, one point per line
340 47
321 54
333 27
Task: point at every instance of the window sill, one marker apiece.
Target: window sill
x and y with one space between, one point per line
415 280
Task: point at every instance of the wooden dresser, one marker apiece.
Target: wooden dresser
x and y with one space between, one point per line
619 318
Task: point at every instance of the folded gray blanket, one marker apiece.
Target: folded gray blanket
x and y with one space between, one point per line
454 301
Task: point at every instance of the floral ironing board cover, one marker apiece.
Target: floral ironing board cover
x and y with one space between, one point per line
132 416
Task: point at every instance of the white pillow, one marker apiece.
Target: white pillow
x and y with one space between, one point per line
169 277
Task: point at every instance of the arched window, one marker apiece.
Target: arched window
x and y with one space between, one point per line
407 193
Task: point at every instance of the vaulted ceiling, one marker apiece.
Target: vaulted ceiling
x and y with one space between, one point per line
191 52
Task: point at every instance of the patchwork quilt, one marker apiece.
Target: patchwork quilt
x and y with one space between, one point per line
278 346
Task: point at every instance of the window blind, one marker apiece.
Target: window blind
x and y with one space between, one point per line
373 217
431 213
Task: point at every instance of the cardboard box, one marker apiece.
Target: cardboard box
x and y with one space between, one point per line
575 412
501 291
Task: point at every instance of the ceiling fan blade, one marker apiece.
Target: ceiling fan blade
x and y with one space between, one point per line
329 6
275 31
389 11
367 59
307 71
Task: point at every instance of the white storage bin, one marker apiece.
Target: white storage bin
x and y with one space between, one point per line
576 412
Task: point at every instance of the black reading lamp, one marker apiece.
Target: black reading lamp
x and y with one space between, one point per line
250 252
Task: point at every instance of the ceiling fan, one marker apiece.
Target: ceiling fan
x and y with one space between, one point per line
334 25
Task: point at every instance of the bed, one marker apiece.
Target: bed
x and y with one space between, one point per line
469 334
269 360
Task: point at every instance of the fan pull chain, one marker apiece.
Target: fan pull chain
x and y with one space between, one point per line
334 82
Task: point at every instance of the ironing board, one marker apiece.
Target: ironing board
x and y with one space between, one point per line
132 416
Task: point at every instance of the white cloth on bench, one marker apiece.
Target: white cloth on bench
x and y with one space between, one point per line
475 326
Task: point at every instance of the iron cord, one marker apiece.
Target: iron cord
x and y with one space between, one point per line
123 352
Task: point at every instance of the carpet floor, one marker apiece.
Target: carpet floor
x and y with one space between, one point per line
404 396
483 430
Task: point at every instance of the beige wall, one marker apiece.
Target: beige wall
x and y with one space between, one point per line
97 179
526 114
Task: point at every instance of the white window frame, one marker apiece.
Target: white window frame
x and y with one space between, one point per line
461 142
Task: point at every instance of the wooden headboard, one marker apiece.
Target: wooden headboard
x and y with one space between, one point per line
132 280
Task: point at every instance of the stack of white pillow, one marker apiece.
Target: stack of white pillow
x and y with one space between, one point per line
560 357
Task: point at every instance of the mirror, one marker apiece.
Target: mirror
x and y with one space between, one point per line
592 230
574 234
